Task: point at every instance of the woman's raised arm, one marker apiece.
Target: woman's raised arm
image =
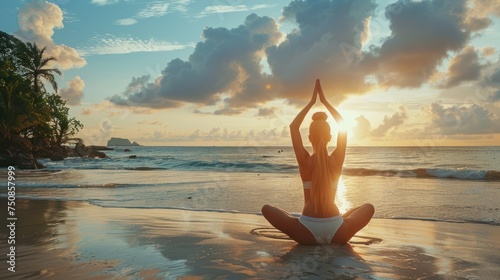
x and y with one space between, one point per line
300 152
339 152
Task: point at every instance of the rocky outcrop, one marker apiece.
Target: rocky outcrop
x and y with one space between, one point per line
89 152
21 161
100 148
55 153
28 160
114 141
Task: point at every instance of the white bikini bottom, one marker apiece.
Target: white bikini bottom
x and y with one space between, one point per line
323 229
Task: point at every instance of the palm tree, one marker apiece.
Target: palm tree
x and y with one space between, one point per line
34 62
16 113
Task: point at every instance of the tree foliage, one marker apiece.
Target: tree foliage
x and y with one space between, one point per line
34 66
31 119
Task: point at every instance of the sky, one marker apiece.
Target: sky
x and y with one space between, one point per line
236 73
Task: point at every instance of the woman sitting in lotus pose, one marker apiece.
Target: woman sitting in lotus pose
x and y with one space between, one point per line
320 222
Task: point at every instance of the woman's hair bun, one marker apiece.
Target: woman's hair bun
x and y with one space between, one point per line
319 116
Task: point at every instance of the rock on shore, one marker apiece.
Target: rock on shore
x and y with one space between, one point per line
90 151
21 160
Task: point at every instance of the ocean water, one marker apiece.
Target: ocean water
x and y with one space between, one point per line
456 184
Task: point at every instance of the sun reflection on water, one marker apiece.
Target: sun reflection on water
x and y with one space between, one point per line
341 198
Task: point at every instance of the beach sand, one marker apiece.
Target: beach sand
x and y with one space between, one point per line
75 240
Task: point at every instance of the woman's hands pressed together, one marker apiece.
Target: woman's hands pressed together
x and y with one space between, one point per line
322 97
315 93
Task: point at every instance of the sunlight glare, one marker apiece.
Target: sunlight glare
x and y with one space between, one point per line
341 198
343 126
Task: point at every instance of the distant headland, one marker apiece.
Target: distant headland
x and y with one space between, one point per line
115 141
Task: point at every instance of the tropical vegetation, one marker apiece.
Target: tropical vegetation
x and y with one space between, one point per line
34 122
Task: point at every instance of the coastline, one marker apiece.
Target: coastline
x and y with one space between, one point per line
77 239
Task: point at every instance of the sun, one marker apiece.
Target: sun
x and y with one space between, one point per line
345 125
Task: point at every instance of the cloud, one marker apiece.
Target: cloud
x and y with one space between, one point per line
440 122
226 67
220 9
223 109
422 34
326 45
113 110
227 61
150 122
267 112
216 134
156 9
478 17
458 119
493 79
73 94
463 67
126 21
226 110
111 44
364 130
180 5
488 85
389 123
104 2
485 8
488 51
494 97
157 135
86 112
105 130
484 89
69 17
37 20
142 91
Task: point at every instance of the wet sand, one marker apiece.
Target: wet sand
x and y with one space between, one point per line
75 240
